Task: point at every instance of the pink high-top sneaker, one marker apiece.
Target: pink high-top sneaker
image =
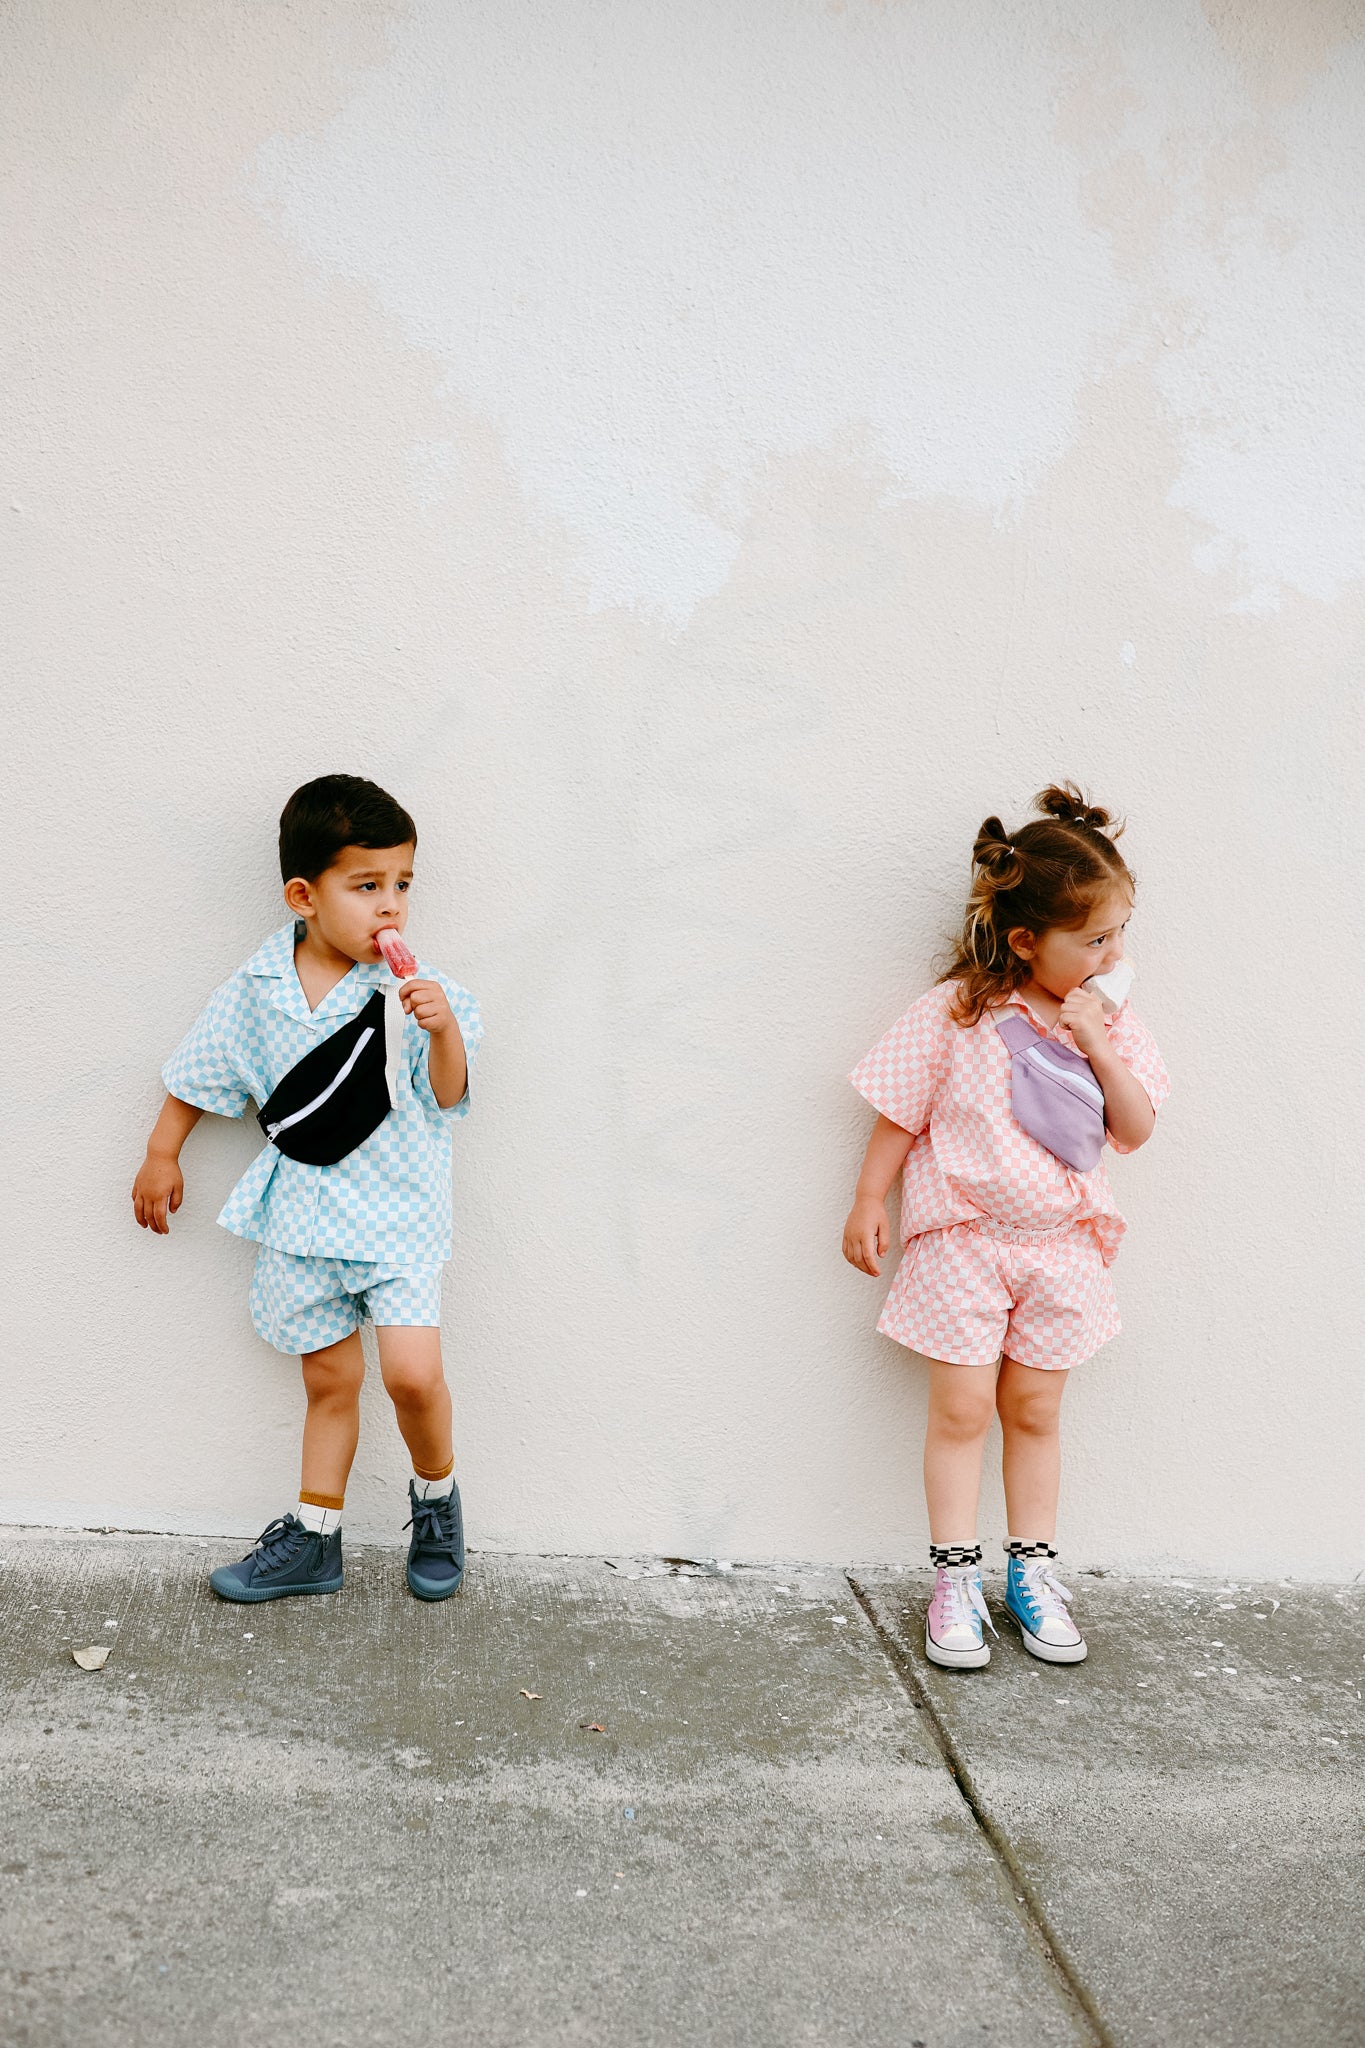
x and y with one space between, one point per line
952 1628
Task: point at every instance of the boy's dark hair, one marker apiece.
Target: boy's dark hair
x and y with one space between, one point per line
335 811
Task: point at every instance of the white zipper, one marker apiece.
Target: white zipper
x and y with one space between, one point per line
273 1130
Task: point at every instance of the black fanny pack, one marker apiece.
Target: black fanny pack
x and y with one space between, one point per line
339 1093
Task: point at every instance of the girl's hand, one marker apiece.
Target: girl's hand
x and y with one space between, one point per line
1083 1016
428 1003
867 1234
158 1192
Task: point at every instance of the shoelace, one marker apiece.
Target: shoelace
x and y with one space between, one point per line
433 1523
279 1542
965 1595
1052 1597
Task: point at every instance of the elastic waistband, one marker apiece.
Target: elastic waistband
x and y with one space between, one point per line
1012 1233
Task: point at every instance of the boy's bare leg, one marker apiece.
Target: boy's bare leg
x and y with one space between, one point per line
1030 1401
332 1380
410 1362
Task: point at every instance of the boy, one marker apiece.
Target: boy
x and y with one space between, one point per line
350 1199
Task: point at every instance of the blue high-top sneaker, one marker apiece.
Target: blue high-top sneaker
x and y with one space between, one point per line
436 1552
287 1559
1038 1600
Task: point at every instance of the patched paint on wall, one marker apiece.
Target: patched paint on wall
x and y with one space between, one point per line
658 245
698 675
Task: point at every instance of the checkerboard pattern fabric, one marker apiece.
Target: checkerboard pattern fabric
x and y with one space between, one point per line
966 1295
389 1200
300 1305
950 1088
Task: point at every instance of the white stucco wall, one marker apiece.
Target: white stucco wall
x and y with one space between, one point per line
701 455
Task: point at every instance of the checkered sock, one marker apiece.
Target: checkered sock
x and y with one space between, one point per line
427 1488
321 1512
951 1554
1016 1547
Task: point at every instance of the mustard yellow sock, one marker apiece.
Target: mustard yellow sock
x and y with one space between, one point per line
433 1485
321 1512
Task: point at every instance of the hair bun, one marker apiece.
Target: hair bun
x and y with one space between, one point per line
998 860
1063 801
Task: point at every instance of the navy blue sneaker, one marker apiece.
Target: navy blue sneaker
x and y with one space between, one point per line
436 1552
287 1559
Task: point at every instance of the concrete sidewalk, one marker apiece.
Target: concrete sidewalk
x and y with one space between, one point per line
344 1822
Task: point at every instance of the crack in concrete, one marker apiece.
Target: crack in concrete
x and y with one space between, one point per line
1032 1911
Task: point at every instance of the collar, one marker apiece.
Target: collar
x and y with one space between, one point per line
276 956
273 962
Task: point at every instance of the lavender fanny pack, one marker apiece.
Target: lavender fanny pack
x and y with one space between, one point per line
1055 1095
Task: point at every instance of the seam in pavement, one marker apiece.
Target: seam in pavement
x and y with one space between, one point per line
1031 1909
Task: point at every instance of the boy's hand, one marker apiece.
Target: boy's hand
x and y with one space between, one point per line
1083 1016
867 1234
447 1065
428 1003
158 1192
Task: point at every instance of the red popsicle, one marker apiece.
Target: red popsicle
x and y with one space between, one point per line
400 960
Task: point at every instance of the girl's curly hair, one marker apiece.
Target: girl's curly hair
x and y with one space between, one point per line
1051 872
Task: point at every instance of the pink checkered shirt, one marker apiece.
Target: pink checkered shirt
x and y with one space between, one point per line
949 1086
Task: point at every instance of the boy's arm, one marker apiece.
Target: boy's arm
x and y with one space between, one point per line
447 1061
448 1066
160 1186
867 1233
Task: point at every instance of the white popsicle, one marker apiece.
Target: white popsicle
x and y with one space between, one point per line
1112 988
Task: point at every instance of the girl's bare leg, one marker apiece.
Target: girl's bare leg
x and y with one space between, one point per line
410 1361
332 1380
961 1404
1029 1400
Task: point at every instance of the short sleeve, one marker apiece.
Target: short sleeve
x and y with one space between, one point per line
905 1070
1136 1047
470 1022
200 1071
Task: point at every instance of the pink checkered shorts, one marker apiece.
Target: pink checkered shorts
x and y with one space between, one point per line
967 1294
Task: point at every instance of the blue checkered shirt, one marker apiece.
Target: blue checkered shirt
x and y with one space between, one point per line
388 1200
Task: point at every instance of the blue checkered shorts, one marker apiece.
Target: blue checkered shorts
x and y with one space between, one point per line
301 1304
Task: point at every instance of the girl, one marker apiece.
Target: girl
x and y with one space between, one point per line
1004 1284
